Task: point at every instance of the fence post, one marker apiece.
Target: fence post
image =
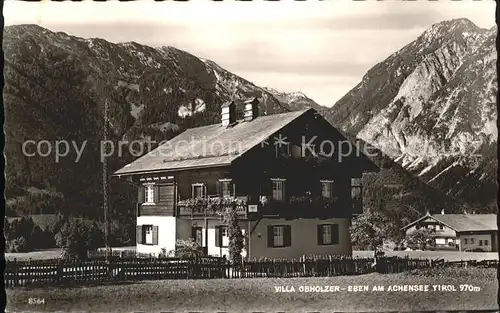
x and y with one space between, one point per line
16 272
304 267
60 271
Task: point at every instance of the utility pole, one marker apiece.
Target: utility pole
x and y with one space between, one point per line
105 184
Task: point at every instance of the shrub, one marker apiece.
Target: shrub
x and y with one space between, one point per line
76 238
19 244
187 248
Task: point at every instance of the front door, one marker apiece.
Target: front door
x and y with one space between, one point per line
197 235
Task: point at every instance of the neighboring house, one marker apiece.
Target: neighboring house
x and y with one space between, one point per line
292 201
463 231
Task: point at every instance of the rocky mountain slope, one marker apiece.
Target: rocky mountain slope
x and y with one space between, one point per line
431 107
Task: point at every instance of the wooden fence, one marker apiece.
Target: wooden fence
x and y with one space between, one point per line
39 272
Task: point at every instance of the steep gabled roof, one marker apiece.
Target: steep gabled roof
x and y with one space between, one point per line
212 145
463 222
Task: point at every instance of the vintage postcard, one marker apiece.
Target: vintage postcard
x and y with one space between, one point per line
250 156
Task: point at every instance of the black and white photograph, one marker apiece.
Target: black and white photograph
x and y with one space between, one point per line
250 156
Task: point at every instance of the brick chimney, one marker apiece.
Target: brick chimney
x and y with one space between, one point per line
228 113
251 109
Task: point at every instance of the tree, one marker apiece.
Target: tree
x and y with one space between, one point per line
421 237
370 230
235 236
76 238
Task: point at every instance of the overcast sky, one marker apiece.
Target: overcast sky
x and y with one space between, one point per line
322 48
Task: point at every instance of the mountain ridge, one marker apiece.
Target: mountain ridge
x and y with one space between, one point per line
422 107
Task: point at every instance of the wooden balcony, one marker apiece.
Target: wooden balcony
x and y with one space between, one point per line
154 209
207 209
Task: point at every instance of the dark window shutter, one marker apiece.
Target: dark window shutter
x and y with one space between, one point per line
155 235
335 234
140 194
217 236
320 235
156 193
285 198
193 233
270 236
138 234
287 240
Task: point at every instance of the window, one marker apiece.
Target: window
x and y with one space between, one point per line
465 241
149 194
278 189
282 149
472 240
221 236
147 234
226 187
225 237
198 190
441 227
327 189
197 235
279 236
356 192
486 242
328 234
480 242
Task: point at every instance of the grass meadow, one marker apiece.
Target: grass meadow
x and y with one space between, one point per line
250 295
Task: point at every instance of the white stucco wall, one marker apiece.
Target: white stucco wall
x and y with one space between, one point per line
166 233
304 239
475 245
184 232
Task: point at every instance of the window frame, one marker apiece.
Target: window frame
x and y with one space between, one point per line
149 191
333 235
145 229
203 190
230 186
282 182
326 182
224 232
282 233
466 241
486 242
323 232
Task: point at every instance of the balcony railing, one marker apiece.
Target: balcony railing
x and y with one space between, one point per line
212 206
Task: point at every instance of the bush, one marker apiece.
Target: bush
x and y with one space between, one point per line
187 249
76 238
19 244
